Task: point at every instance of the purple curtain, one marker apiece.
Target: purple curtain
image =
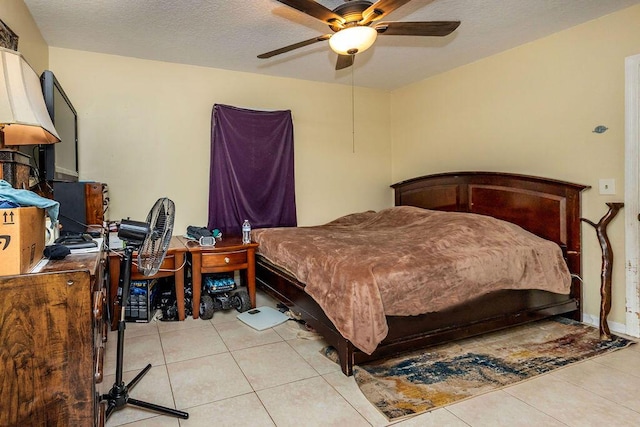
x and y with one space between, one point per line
252 175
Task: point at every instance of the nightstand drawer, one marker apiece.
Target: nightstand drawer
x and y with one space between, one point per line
168 263
223 259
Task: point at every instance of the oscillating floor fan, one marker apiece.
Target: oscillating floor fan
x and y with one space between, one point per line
151 240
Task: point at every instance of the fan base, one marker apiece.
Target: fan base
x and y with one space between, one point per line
118 397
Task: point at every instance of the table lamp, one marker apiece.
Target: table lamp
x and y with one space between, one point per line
24 119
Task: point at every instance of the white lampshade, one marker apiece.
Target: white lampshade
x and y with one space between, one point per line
353 40
24 119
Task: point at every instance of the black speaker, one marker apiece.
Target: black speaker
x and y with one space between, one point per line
81 205
73 215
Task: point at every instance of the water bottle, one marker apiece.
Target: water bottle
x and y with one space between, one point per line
246 232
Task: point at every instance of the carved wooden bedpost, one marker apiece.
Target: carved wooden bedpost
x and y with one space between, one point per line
607 265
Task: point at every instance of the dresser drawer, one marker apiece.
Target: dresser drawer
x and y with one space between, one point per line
212 260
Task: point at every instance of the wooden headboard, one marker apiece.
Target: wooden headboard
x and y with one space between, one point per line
545 207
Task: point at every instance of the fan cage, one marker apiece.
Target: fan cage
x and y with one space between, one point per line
155 245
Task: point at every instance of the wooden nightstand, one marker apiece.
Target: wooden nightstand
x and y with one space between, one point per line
172 265
227 255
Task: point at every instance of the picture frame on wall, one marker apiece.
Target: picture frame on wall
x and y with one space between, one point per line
8 39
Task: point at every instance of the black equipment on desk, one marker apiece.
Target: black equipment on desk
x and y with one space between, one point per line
76 241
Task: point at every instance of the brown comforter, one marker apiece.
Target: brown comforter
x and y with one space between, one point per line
408 261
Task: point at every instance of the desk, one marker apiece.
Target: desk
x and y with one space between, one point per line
173 262
229 254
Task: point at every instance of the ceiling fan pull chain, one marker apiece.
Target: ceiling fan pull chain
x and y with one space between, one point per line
353 115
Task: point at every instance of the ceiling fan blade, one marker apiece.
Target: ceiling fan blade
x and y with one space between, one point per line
344 61
294 46
434 28
316 10
379 9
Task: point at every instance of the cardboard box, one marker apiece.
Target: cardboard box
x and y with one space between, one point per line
21 239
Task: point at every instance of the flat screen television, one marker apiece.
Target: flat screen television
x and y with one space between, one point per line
59 162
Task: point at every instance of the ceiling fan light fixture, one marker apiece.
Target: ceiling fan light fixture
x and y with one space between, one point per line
353 40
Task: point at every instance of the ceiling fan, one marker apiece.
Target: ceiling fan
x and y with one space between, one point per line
352 22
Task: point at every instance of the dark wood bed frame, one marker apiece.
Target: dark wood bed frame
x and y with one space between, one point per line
548 208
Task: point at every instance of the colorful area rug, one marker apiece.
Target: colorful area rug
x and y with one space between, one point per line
428 379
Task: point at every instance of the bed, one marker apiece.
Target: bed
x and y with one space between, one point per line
547 208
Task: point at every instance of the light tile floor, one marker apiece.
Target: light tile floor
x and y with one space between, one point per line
224 373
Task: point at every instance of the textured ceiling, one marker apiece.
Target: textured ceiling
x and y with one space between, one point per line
229 34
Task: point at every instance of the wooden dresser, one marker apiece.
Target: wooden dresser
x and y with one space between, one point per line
52 336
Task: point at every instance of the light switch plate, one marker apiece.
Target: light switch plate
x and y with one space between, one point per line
607 186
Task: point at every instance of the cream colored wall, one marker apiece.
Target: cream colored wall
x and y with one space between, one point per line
532 110
144 129
16 15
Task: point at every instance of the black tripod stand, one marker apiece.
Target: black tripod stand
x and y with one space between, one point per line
118 396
